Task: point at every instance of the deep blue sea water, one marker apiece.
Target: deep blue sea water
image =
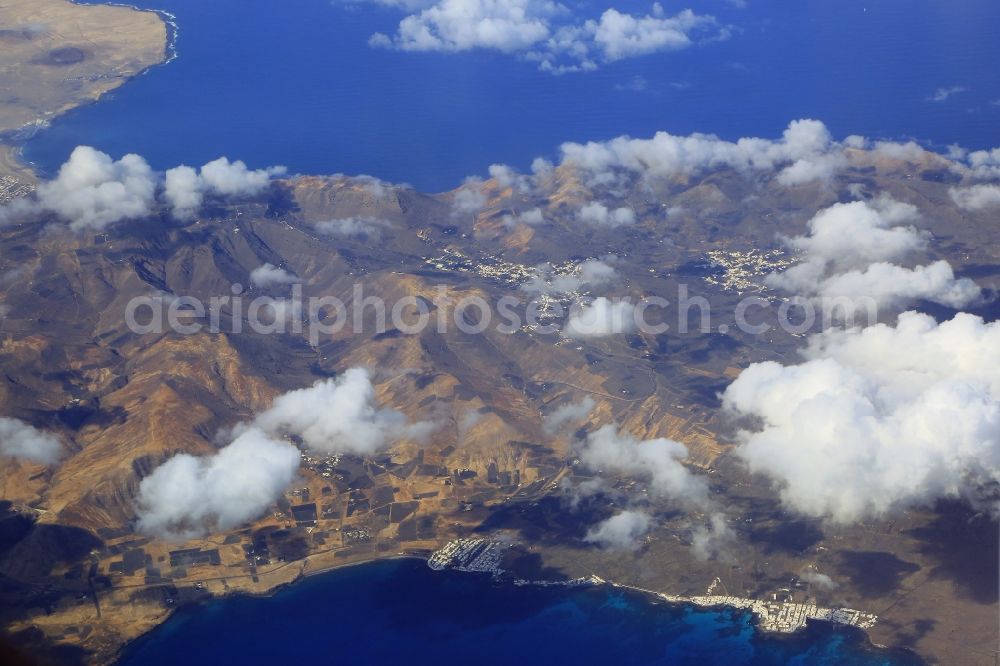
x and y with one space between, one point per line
294 83
401 612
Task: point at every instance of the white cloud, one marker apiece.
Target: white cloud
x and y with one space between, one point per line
848 253
598 214
906 152
545 32
269 275
92 191
601 318
879 419
590 274
339 415
620 35
184 191
637 83
468 200
505 176
944 94
713 541
818 580
976 197
572 413
656 461
365 228
816 168
462 25
532 218
805 151
186 188
622 531
20 440
190 496
985 164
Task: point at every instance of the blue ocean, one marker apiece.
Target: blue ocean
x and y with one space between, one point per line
296 83
401 612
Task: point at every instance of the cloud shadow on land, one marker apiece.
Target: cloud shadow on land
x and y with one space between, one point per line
966 546
875 573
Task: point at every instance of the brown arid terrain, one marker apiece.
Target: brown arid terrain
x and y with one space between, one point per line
79 579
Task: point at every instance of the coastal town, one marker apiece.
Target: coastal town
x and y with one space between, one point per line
484 555
778 616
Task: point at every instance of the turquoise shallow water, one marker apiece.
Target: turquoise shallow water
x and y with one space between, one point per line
400 611
295 83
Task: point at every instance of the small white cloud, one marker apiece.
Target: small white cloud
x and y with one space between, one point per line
186 188
598 214
20 440
589 274
469 199
365 228
572 413
656 461
976 197
601 318
269 275
636 84
622 531
984 164
713 541
818 580
944 94
532 217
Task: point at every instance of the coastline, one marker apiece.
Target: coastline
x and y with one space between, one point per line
258 594
688 602
169 20
12 141
251 594
653 598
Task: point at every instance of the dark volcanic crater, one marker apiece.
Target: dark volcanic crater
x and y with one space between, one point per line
63 56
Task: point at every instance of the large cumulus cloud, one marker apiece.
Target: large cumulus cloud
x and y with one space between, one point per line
878 419
849 254
340 415
185 188
189 496
93 191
